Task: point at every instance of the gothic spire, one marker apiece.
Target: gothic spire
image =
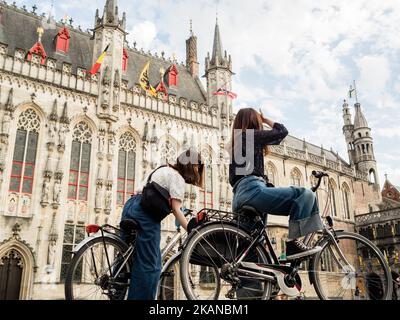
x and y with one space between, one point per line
110 11
217 56
110 15
359 119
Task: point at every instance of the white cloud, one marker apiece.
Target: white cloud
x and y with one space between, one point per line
298 57
391 132
144 33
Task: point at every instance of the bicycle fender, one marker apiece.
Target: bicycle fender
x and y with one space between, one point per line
96 235
171 260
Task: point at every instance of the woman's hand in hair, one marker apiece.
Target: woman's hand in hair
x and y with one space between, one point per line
267 121
176 209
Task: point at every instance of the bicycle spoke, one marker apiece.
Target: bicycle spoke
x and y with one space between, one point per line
362 273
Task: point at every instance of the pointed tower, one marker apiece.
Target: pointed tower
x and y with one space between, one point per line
363 144
109 31
219 75
192 63
348 130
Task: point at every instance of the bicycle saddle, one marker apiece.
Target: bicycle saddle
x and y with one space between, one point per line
250 211
129 225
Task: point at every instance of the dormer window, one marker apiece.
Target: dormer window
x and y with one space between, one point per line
62 40
173 76
125 58
39 50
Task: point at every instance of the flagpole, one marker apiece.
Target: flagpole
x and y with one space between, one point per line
355 90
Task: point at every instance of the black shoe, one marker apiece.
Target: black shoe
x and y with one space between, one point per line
296 249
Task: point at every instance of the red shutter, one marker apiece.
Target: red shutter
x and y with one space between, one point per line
125 58
62 43
173 76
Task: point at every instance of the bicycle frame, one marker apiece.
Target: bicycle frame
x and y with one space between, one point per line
279 271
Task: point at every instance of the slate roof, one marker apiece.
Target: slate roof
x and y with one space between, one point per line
18 30
298 144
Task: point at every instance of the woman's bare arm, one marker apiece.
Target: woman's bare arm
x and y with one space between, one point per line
176 209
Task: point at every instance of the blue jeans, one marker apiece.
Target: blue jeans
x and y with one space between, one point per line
297 202
146 267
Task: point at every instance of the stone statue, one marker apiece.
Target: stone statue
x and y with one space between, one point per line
52 134
52 253
57 191
116 99
62 135
98 198
111 144
145 152
45 191
101 144
105 97
108 199
6 124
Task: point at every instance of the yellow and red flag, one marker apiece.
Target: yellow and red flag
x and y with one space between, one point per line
144 81
99 61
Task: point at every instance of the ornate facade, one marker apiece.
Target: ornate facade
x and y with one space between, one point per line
74 146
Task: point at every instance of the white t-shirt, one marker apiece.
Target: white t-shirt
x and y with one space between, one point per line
169 179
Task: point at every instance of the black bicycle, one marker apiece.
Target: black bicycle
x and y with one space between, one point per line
349 266
101 265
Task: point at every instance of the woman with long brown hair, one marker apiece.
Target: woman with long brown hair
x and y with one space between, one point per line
249 146
146 266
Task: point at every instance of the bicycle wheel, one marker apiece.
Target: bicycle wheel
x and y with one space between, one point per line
89 276
207 262
170 287
365 275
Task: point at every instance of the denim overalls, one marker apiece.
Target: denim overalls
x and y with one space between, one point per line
146 267
297 202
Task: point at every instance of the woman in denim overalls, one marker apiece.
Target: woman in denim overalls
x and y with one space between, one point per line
146 268
250 185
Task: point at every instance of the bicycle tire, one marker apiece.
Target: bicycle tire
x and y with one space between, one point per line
200 234
121 245
342 236
165 293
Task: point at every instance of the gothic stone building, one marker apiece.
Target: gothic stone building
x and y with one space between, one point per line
383 226
74 146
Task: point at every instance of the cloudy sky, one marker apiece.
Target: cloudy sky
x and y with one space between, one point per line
295 59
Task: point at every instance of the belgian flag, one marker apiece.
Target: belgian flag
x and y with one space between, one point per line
99 61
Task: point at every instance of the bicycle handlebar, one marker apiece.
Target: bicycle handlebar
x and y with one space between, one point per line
188 212
319 175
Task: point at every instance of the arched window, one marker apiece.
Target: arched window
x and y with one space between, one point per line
346 200
62 43
372 176
271 173
359 135
207 194
25 150
125 58
78 184
126 167
363 148
296 178
73 235
332 198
